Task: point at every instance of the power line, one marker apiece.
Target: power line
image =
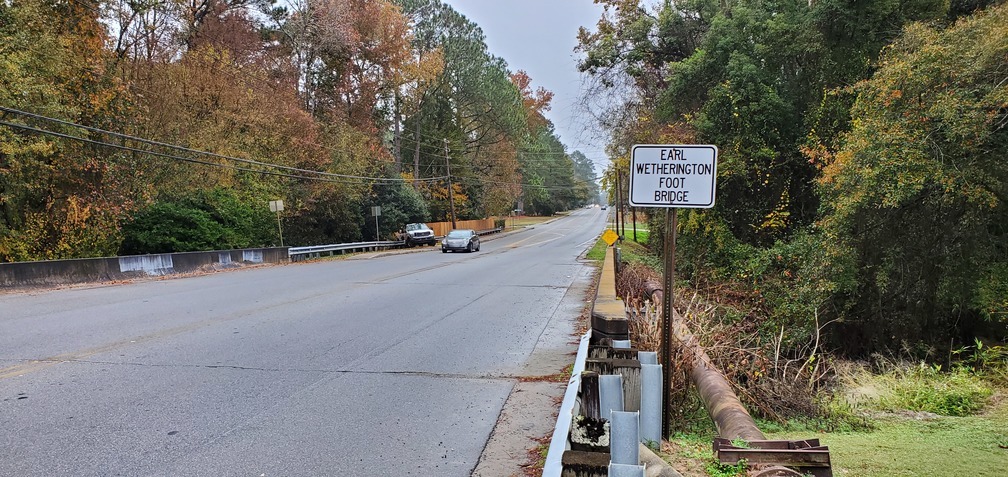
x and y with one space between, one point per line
318 175
299 173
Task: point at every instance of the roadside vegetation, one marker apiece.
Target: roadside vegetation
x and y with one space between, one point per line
852 275
147 127
887 415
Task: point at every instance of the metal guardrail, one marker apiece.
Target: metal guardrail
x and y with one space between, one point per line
299 253
314 251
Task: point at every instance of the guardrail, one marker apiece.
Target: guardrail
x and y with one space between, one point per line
315 251
591 444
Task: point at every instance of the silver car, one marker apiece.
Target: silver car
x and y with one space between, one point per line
461 239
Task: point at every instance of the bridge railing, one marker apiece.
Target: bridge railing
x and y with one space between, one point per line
315 251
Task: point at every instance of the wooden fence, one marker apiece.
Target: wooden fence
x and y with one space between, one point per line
442 228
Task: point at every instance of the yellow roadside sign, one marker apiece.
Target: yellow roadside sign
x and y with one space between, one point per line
610 237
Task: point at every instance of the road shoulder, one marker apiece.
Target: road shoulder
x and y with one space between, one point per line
530 412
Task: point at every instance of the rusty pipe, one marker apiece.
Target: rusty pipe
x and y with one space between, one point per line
724 407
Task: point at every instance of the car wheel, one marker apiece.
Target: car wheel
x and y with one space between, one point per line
469 248
477 248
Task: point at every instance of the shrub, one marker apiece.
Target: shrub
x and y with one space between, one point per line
926 388
212 220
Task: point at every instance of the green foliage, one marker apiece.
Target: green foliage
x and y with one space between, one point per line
989 361
215 220
401 204
992 293
171 227
717 469
331 215
769 84
924 149
926 388
940 446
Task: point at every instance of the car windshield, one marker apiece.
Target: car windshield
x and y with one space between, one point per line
412 227
458 234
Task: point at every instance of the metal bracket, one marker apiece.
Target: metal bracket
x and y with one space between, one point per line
807 457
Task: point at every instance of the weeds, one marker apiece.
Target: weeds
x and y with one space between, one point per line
925 388
991 361
717 469
536 458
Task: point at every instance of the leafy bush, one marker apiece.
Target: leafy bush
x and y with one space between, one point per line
214 220
168 227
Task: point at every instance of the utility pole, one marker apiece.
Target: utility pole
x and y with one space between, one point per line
451 192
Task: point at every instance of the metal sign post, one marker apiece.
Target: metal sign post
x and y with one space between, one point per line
671 176
668 285
277 206
376 211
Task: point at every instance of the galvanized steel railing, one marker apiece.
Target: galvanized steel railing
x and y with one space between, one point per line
318 250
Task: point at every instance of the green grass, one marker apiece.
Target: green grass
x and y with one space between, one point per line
874 438
905 446
525 221
597 252
642 236
923 422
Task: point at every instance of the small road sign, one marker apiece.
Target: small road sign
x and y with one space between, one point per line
673 175
610 237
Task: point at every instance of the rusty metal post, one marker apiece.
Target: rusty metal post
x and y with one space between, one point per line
667 316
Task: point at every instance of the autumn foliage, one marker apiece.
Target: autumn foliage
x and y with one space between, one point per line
144 127
861 179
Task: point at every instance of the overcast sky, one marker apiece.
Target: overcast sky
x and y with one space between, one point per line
539 36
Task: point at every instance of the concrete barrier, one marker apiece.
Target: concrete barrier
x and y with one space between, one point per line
95 270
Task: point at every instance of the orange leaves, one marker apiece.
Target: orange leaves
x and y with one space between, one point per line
535 102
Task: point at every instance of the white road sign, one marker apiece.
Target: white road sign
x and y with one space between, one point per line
673 175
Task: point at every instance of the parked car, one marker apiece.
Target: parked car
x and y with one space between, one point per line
419 234
604 207
461 239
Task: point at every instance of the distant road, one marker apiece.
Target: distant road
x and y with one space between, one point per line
378 365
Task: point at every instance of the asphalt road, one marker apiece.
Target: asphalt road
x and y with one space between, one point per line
387 364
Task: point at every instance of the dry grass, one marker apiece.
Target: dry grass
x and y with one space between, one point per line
773 383
525 221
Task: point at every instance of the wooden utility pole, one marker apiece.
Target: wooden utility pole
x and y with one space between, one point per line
451 192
